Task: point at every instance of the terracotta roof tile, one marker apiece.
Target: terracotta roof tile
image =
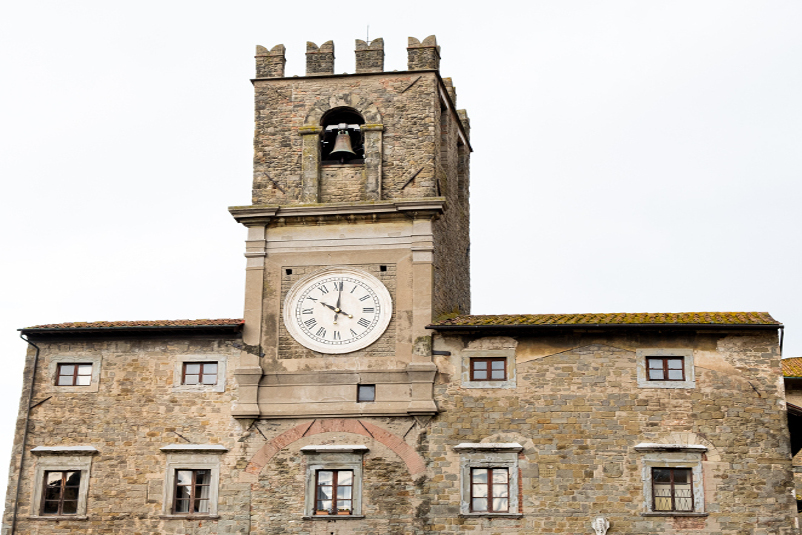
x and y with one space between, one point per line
673 318
146 323
792 367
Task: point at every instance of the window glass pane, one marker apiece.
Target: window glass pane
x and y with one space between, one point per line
655 363
479 375
69 508
479 490
193 369
71 493
209 379
50 508
497 374
498 364
85 369
479 365
661 475
83 380
210 367
191 380
656 375
182 506
67 369
675 375
501 491
499 476
366 393
344 505
479 504
324 505
65 380
345 477
325 477
500 505
674 364
344 492
53 479
479 475
183 477
73 479
52 493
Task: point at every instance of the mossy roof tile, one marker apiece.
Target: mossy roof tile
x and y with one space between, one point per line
792 367
670 318
145 323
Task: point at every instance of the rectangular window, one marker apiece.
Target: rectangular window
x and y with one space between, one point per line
192 491
490 490
672 489
665 368
489 369
74 375
366 393
199 373
334 492
61 491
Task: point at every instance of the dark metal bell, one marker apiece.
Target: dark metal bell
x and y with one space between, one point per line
342 146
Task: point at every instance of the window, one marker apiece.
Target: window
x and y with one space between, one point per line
673 482
489 369
71 374
665 368
74 375
365 393
490 490
192 491
334 492
199 373
489 479
61 490
672 489
333 481
61 481
191 480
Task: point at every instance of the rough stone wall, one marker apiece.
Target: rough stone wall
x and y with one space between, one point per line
133 414
342 183
405 103
578 413
288 348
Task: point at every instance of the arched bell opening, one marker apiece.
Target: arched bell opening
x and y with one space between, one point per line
342 140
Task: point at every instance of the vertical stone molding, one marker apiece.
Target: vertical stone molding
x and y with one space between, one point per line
423 56
319 60
310 163
373 160
270 63
370 57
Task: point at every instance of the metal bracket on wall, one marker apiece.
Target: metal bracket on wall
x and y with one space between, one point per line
408 182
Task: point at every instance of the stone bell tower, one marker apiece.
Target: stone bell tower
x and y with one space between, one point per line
356 177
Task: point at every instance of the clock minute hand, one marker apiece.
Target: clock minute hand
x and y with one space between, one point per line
336 309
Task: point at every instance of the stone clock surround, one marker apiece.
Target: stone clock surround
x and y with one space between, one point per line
397 233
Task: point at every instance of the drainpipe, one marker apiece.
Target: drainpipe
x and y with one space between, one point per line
782 335
24 434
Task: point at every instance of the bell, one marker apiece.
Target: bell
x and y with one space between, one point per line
342 147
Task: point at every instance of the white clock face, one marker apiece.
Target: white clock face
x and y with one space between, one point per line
337 310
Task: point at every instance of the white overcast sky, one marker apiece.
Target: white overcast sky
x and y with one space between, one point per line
630 156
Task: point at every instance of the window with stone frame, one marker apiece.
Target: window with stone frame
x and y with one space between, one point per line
488 369
672 477
199 373
191 480
489 479
665 368
74 374
333 481
61 489
334 492
672 489
490 490
61 481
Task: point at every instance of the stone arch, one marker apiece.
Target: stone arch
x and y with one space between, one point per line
407 453
344 100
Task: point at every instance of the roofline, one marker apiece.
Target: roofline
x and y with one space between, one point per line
72 331
712 326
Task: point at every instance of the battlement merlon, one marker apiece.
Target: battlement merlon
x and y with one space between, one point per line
319 60
370 57
422 56
270 63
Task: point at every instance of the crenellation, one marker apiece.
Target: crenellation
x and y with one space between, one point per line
319 60
270 64
370 56
423 55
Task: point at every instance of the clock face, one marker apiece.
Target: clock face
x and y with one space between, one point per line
337 310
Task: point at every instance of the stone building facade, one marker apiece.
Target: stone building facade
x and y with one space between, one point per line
359 396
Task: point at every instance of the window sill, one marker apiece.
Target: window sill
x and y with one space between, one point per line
673 513
334 517
189 517
58 517
491 515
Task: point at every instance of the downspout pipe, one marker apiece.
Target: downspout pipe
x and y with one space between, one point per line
24 434
782 337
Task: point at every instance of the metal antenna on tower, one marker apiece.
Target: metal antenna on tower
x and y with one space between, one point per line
367 36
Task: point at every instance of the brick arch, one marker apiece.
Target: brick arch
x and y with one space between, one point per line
414 462
349 100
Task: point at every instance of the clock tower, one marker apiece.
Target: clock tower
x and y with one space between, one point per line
358 235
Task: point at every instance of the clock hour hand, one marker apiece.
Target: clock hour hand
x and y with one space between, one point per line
336 309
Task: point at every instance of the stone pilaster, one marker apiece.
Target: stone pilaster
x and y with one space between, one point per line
373 160
310 163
